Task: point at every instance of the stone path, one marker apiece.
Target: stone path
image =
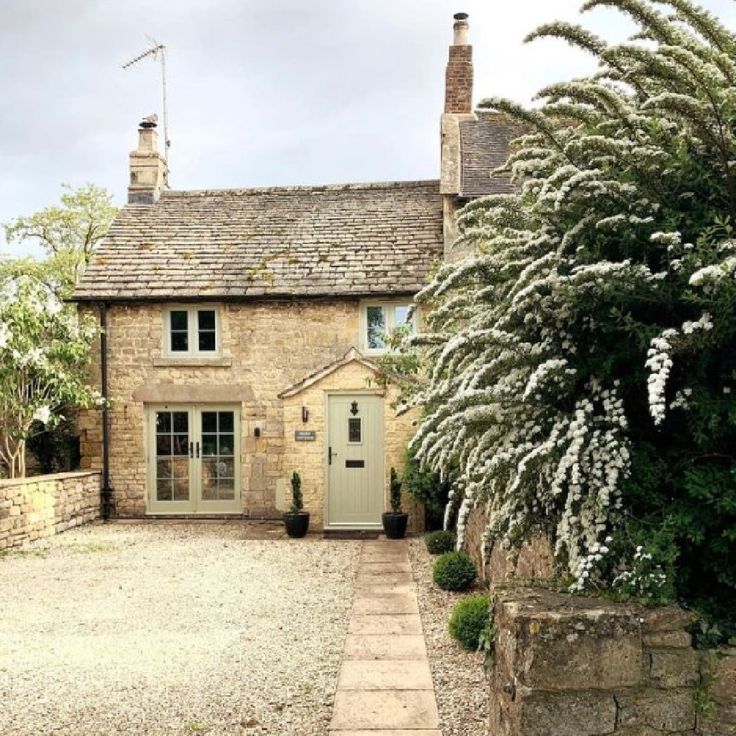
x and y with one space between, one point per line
385 686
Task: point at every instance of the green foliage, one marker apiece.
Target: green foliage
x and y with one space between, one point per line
579 369
486 644
439 542
424 485
44 353
297 501
68 233
469 619
395 490
454 571
57 448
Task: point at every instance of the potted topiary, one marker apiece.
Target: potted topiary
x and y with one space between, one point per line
394 521
296 520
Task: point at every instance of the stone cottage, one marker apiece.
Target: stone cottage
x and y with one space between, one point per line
241 329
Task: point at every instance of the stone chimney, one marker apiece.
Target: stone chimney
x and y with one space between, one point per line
148 169
459 73
458 108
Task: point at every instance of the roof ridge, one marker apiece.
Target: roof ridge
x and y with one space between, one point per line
351 186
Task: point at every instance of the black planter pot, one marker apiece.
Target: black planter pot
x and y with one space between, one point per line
296 523
394 524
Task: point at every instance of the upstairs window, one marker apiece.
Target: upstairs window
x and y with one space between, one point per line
192 331
382 319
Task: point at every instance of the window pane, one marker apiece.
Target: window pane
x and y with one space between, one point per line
401 316
180 467
206 319
209 444
181 489
226 469
207 341
179 320
376 327
181 421
226 421
163 489
163 422
209 421
163 468
227 444
181 444
226 489
354 429
179 342
163 444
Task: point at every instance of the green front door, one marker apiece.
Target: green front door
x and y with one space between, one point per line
355 469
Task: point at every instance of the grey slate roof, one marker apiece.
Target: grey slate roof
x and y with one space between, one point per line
484 146
345 240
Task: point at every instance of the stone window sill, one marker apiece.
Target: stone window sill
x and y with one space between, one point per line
224 361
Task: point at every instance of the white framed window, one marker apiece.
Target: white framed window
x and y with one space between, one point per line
192 331
379 320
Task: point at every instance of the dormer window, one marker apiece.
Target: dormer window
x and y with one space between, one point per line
380 320
192 332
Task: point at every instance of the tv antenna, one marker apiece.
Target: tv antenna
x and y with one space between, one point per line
157 52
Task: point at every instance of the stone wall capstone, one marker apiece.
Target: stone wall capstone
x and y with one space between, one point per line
41 506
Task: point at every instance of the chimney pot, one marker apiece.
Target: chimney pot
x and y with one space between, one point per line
460 29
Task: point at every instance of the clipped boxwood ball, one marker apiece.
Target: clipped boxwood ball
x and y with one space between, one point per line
468 619
454 571
439 542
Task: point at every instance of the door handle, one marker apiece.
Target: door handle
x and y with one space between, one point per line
330 453
197 449
191 450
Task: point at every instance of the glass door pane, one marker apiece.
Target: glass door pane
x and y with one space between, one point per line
218 455
172 456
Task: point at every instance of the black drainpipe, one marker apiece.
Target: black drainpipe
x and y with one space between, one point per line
106 505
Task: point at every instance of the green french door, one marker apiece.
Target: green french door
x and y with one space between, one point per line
193 460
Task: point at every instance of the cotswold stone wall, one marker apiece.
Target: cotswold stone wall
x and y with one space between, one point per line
267 347
31 508
573 666
534 561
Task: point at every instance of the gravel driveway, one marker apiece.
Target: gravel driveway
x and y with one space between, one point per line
172 629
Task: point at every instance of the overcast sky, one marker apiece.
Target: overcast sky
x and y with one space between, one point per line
261 92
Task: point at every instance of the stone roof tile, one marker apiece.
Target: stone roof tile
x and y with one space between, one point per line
343 240
484 146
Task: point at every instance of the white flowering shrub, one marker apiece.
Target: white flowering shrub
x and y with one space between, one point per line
44 350
576 368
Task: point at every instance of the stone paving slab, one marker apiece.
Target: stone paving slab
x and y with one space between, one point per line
372 709
390 623
385 646
385 603
384 558
379 588
383 568
361 674
386 578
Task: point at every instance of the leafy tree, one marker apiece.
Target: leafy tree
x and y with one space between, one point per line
68 233
580 365
44 349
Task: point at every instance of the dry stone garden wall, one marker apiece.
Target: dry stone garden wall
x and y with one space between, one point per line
574 666
31 508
